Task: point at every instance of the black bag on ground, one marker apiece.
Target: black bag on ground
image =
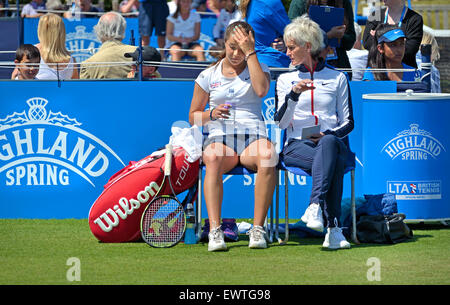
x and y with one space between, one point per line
383 229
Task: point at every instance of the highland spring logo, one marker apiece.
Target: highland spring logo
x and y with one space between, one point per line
82 44
40 148
413 144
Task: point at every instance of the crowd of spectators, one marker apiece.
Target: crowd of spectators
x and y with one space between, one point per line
177 25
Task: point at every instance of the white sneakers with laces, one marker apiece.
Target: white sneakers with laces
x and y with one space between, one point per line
216 240
313 217
334 239
257 238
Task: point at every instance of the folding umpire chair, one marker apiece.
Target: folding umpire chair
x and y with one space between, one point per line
349 167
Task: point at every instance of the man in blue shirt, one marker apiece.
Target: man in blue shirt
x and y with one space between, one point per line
268 19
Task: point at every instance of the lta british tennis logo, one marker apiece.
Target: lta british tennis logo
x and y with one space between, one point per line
41 147
413 144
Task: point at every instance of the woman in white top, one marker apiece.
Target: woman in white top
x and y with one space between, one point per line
183 31
233 88
56 60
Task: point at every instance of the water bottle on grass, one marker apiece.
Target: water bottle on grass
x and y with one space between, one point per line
189 235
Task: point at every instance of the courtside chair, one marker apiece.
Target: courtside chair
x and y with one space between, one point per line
238 170
349 167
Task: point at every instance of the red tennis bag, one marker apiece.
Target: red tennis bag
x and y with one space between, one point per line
116 214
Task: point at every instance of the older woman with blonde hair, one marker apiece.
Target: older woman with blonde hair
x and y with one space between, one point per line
56 61
314 106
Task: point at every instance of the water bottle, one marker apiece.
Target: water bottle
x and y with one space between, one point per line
231 105
184 45
190 214
189 236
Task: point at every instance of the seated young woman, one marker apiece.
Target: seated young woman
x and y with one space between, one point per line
233 88
387 53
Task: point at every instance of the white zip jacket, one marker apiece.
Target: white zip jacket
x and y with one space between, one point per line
328 105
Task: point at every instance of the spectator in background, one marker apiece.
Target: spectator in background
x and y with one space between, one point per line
214 6
358 56
148 69
199 5
386 52
228 15
81 8
429 39
56 61
152 15
268 18
26 56
345 33
110 30
183 32
129 6
55 5
397 13
30 9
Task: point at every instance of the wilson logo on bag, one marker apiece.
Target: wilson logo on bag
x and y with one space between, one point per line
115 215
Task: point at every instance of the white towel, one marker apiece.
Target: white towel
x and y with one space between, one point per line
190 139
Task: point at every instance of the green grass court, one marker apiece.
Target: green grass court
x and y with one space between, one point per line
37 251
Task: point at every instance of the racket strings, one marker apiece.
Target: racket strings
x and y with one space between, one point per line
163 223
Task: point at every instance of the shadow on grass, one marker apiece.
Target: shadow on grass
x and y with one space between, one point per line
429 226
317 241
295 241
419 232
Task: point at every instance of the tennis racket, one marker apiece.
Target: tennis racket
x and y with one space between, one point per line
164 221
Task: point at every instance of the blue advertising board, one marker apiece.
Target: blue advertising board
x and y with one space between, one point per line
60 143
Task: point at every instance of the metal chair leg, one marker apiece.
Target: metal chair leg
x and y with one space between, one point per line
198 218
271 226
286 207
277 209
354 236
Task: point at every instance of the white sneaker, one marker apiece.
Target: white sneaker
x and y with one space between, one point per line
216 240
257 238
313 217
334 239
305 216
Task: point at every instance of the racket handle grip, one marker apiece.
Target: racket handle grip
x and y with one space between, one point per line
168 160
